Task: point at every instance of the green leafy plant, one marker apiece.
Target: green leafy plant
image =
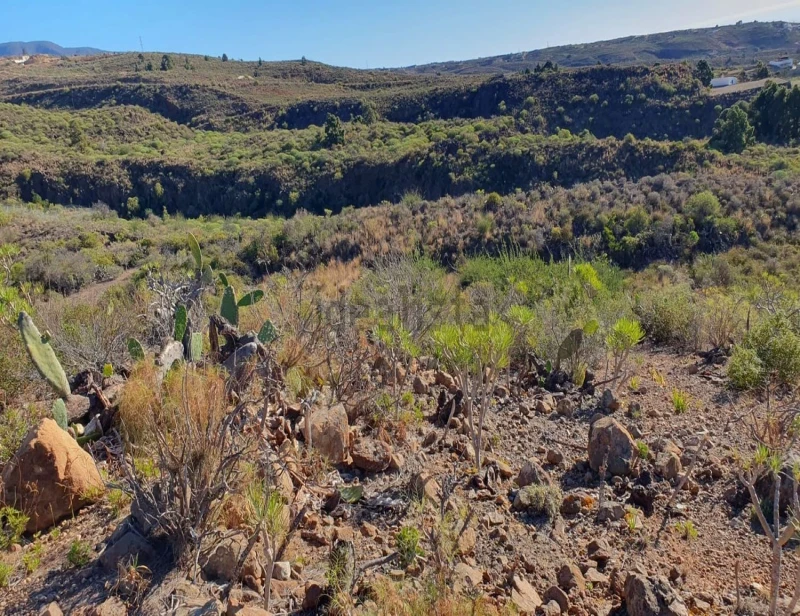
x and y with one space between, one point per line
745 368
108 371
80 553
642 450
408 547
12 526
680 401
686 529
5 574
33 557
625 335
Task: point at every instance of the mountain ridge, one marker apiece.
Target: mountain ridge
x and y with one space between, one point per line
19 48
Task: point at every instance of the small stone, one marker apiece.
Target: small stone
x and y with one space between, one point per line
551 608
533 474
130 545
554 593
420 387
571 504
368 530
431 438
282 571
52 610
570 576
595 577
524 596
564 407
610 402
554 457
610 512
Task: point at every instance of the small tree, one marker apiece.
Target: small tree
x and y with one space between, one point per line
704 72
625 335
166 63
224 57
732 131
475 354
762 72
334 131
397 342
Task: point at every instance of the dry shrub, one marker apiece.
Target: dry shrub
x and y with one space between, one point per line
404 600
148 408
198 447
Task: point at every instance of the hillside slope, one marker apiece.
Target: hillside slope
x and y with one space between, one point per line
738 44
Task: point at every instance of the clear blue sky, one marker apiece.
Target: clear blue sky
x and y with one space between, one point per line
361 33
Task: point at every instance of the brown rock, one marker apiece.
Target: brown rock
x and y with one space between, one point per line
524 596
668 465
52 610
368 530
421 388
595 577
533 474
371 455
609 440
77 407
467 541
465 577
50 477
554 593
111 607
445 380
397 462
554 457
425 486
330 433
551 608
570 576
130 546
220 564
571 504
313 592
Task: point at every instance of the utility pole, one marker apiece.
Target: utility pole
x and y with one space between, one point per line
141 46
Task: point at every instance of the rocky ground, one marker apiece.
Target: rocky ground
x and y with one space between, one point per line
605 546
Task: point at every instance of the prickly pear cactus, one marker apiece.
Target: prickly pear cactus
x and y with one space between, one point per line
43 356
229 310
60 413
196 348
268 333
194 246
181 318
251 298
135 349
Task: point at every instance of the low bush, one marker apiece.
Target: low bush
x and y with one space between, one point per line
745 368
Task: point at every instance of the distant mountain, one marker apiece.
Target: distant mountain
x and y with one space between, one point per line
734 45
45 47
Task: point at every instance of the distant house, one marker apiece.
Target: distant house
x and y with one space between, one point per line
723 82
22 60
782 64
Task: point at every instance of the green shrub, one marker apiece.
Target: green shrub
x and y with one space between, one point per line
12 525
745 369
669 315
79 553
5 574
408 545
777 345
539 500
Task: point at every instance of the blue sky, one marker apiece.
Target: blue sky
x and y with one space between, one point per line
363 33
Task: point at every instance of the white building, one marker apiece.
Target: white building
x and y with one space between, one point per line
22 60
722 82
782 64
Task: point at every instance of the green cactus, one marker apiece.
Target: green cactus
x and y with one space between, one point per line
253 297
43 356
569 347
108 370
229 310
181 319
196 348
268 332
207 275
223 279
60 413
194 246
135 349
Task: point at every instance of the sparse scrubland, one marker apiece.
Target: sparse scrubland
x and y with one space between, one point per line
378 343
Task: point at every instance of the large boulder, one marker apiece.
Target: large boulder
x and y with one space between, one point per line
50 477
330 433
610 442
652 597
